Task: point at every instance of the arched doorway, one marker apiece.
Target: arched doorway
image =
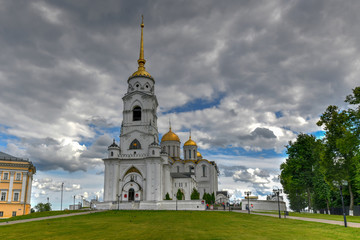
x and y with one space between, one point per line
131 194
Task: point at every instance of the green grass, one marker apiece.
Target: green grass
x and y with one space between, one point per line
39 215
175 225
355 219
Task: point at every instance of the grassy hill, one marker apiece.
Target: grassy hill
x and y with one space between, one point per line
175 225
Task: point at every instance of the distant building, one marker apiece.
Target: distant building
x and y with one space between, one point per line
16 176
270 204
222 197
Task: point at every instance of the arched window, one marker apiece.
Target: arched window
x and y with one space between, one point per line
112 153
204 170
168 152
137 113
189 154
194 154
178 169
135 144
174 154
153 152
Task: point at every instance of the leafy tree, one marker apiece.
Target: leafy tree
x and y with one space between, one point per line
167 196
195 194
43 207
341 156
213 198
297 173
179 195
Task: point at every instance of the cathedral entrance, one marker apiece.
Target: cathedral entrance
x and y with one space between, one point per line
131 194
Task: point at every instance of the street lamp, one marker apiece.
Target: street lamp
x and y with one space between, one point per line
118 200
340 185
62 191
176 201
248 194
277 192
74 203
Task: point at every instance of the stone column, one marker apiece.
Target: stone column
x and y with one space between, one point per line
148 181
23 187
28 196
12 173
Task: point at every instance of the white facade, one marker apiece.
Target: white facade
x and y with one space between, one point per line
139 169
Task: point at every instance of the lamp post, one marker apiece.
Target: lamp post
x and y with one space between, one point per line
74 203
340 185
277 192
248 194
118 200
62 191
176 201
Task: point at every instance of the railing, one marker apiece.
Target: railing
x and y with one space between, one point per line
14 159
127 156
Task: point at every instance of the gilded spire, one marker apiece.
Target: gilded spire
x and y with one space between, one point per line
141 69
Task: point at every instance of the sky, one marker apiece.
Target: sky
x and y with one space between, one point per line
244 76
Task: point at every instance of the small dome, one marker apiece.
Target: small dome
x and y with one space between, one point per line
198 154
170 136
113 144
190 142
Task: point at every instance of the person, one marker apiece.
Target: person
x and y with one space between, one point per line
223 205
207 206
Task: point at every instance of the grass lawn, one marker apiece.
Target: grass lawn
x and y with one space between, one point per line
39 214
175 225
355 219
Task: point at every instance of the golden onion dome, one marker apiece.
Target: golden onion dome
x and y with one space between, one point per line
170 136
190 142
198 154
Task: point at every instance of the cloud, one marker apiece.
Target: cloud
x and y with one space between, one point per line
47 184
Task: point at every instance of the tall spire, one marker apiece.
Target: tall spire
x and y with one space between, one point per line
141 61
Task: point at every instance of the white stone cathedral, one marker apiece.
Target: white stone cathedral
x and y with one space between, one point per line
140 171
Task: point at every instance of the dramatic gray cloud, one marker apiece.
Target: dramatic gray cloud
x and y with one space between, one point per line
239 74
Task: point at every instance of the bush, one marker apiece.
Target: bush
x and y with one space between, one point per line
195 194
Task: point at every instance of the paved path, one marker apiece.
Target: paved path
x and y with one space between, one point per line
44 218
341 223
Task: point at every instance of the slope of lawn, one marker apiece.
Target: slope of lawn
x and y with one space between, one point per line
174 225
39 215
355 219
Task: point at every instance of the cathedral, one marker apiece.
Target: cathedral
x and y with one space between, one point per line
141 172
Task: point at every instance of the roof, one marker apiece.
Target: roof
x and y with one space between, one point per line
5 156
180 175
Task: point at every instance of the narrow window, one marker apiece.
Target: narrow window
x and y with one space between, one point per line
194 154
168 152
1 214
135 144
178 169
189 154
137 113
6 176
14 213
174 151
18 177
3 196
153 152
112 154
185 184
204 170
16 197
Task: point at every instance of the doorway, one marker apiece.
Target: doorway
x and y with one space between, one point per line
131 194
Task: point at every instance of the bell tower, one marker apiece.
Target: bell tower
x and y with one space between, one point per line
139 126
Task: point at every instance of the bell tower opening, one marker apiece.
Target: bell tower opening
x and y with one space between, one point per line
137 113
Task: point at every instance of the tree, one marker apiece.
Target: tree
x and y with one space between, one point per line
213 198
195 194
340 160
179 195
167 196
297 173
43 207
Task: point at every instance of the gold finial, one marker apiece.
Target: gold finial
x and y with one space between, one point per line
190 134
141 69
169 125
